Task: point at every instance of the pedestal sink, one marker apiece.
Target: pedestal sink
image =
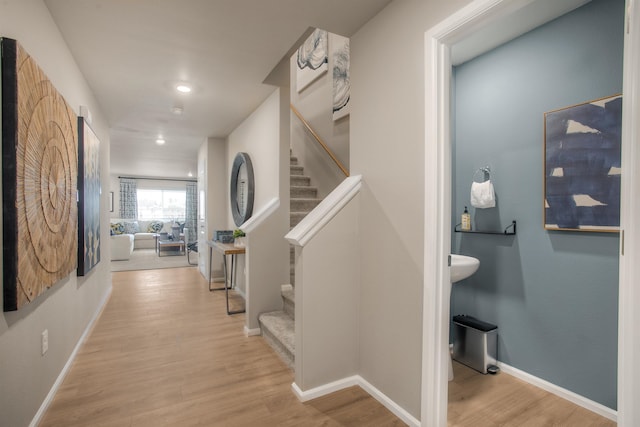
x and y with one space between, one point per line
462 266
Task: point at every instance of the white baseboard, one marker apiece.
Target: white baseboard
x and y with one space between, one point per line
65 370
252 332
325 389
401 413
396 409
332 387
560 392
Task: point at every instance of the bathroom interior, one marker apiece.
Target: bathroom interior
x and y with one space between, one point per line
552 294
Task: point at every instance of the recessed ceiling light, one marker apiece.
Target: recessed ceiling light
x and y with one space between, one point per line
160 141
190 174
183 87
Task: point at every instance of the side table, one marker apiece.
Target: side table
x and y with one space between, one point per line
229 277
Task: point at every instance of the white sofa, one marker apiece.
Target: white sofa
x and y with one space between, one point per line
121 247
142 231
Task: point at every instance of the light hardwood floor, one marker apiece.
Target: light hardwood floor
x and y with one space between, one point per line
477 400
165 353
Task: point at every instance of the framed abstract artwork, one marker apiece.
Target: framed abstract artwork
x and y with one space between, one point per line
582 166
341 58
88 198
312 59
39 182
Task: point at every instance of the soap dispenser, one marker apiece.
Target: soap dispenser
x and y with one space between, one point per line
466 220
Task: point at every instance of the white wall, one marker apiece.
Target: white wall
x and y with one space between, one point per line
264 135
259 136
214 213
387 148
327 302
65 310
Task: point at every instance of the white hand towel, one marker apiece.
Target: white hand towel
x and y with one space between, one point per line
483 195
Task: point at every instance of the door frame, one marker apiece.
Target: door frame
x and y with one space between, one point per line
437 216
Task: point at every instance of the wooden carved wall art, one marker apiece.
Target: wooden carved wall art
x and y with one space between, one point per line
40 169
88 198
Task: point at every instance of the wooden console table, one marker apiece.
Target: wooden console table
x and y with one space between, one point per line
229 277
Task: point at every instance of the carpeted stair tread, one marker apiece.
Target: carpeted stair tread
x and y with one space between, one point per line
289 295
295 218
299 180
289 303
303 204
278 329
303 191
296 169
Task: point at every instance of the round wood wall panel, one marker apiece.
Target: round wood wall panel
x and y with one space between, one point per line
46 183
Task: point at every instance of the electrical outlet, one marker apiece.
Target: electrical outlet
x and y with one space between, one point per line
45 341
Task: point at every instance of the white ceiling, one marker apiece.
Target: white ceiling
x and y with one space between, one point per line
132 52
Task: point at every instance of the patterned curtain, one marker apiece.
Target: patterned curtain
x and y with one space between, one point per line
191 210
128 198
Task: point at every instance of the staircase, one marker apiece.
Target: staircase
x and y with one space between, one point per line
278 327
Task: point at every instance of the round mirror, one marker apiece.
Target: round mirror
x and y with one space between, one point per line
242 188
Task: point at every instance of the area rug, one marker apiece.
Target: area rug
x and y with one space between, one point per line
148 259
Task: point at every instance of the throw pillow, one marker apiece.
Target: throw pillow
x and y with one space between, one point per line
155 226
117 228
131 227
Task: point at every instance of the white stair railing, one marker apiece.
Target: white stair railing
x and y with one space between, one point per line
325 211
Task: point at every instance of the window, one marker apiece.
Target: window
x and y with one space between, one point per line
162 204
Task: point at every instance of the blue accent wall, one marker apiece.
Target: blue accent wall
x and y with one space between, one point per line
553 294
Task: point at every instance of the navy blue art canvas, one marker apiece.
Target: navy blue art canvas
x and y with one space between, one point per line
88 198
582 166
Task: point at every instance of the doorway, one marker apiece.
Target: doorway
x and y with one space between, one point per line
441 44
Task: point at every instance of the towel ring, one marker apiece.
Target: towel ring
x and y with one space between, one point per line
486 174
